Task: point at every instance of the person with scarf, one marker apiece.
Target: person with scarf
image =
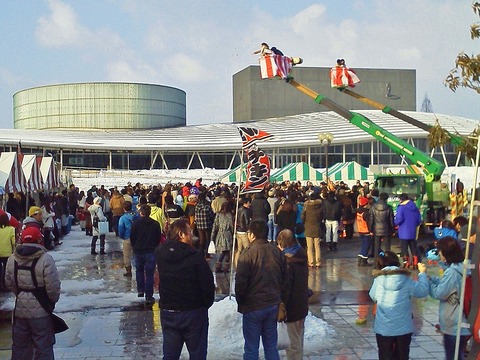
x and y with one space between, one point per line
296 291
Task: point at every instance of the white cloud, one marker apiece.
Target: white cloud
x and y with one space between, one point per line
184 67
8 78
303 20
60 27
409 55
129 71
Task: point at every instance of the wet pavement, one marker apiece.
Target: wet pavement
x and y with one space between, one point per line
119 326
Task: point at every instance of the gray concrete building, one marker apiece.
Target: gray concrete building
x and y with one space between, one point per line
99 105
255 98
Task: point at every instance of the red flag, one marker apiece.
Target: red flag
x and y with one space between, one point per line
258 170
250 136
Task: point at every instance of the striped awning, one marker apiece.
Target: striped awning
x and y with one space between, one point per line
12 178
233 175
48 170
348 171
32 172
300 171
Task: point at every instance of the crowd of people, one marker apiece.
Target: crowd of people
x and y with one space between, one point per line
271 238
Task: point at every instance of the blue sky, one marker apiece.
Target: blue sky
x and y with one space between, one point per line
197 46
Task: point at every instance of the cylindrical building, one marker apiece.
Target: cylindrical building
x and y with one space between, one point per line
99 105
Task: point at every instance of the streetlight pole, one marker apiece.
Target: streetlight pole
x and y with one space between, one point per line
326 138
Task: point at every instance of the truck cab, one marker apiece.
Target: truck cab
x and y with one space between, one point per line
431 209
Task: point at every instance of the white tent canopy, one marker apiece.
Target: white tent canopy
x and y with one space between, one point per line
233 176
349 172
48 170
32 172
12 178
299 171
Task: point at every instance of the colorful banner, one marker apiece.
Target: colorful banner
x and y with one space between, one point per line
251 135
258 170
258 163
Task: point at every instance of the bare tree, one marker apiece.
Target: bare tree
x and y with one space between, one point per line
467 68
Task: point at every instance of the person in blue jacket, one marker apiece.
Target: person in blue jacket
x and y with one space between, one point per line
392 290
408 219
124 229
445 229
447 290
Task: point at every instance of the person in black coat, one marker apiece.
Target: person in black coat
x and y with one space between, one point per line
332 211
260 207
286 216
144 237
295 291
187 290
381 224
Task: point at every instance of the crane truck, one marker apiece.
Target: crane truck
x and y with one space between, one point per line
424 188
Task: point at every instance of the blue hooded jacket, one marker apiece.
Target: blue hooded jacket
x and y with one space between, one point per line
125 224
444 232
407 219
392 290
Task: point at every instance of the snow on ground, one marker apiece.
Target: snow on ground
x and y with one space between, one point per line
225 331
121 178
81 292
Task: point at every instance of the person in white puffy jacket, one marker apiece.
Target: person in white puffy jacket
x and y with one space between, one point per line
32 332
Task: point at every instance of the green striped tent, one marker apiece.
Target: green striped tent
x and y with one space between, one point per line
233 175
348 171
299 171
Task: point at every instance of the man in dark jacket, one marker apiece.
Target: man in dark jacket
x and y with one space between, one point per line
259 282
187 290
260 207
312 217
296 291
381 225
144 237
244 216
332 211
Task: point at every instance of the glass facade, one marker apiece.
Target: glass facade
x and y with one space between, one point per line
316 156
86 106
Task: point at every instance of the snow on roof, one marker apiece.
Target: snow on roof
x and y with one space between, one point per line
289 131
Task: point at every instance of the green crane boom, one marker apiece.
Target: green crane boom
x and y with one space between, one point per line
454 139
431 167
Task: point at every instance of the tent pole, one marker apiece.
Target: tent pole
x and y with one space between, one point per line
234 243
466 262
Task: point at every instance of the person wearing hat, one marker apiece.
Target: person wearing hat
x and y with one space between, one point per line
96 210
35 219
32 329
361 216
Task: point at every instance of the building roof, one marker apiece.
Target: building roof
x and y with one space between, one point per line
290 131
